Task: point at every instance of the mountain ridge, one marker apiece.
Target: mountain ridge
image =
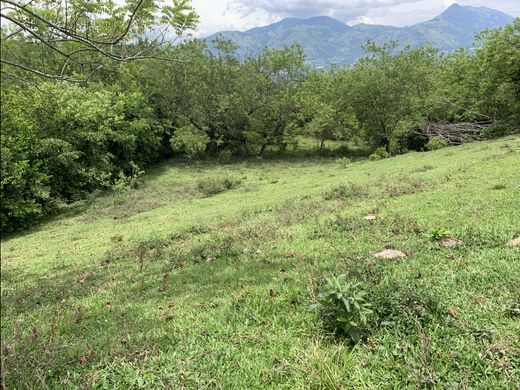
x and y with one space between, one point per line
327 40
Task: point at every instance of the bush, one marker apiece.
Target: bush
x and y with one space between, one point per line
61 141
225 156
500 129
343 305
189 141
345 191
344 162
379 154
132 180
213 185
436 143
409 137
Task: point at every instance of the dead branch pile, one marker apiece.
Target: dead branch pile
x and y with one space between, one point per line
456 133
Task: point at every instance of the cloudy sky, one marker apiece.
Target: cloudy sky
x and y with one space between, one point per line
218 15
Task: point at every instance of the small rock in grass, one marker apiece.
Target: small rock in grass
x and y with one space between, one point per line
449 242
390 254
514 242
370 217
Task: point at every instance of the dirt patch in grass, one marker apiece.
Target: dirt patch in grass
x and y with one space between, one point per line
390 254
449 242
514 242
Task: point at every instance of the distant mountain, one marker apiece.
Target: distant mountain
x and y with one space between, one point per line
327 40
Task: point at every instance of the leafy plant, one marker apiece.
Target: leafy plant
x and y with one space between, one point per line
379 154
189 141
344 162
215 185
343 304
436 143
225 156
438 234
345 191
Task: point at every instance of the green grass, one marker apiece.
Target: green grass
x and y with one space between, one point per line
177 285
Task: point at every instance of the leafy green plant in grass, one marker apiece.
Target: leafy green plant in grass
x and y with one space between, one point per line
344 162
344 306
436 143
225 156
438 234
345 191
379 154
127 182
215 185
189 141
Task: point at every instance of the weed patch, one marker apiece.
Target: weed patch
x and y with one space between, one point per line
346 191
212 185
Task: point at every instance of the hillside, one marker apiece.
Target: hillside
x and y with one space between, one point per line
203 277
326 40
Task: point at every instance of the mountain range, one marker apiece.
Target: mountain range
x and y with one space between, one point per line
329 41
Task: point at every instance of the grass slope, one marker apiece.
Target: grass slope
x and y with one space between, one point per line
203 277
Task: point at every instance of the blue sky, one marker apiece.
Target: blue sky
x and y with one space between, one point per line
218 15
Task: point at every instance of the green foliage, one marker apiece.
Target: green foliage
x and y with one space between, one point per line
225 156
126 182
407 136
344 306
438 234
215 185
379 154
227 280
60 142
436 143
500 129
189 141
345 191
38 41
344 162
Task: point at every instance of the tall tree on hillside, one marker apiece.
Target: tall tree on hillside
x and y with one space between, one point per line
388 90
323 111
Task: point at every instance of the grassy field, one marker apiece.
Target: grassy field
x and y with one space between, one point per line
203 277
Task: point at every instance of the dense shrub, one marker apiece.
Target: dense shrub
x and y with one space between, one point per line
189 141
379 154
500 129
61 141
436 143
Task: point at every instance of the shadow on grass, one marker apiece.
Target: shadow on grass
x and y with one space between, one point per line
73 321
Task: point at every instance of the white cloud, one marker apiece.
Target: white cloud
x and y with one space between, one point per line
219 15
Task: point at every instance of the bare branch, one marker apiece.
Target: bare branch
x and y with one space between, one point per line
42 74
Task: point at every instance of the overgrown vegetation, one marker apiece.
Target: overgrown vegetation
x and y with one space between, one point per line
61 141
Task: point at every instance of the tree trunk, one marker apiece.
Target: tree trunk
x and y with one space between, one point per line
322 144
262 150
246 147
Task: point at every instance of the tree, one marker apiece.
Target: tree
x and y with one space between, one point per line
388 91
324 113
68 39
282 72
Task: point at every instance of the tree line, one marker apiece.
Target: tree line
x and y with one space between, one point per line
61 140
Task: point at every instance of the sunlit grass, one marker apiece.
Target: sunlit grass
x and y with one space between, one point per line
170 285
